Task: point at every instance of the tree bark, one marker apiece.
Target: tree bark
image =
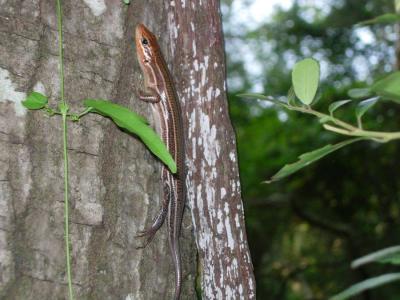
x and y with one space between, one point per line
213 179
115 181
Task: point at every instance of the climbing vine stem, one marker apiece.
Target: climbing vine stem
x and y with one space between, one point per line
64 112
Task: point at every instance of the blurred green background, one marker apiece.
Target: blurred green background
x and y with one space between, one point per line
305 230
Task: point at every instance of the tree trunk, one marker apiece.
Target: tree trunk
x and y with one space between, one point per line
115 181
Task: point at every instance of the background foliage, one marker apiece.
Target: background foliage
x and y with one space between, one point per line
305 230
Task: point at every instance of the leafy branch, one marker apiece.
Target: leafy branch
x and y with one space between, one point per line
305 82
389 255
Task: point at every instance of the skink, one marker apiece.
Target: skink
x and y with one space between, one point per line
159 90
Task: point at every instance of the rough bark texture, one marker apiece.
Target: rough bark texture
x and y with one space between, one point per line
115 185
213 179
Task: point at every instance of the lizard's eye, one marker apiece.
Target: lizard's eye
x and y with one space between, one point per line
145 41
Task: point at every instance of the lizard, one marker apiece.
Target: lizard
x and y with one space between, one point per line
159 91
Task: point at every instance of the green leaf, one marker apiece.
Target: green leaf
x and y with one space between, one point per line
364 106
359 93
366 285
127 1
308 158
335 105
136 124
382 19
387 255
35 100
389 86
305 79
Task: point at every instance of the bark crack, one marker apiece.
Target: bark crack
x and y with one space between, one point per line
49 280
84 224
10 71
4 229
13 142
78 151
97 74
19 35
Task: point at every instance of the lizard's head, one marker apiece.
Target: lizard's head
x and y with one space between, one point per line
146 43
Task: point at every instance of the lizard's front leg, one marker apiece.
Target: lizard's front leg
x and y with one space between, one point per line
150 95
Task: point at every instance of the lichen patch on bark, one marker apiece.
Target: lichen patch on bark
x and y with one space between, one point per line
97 7
9 92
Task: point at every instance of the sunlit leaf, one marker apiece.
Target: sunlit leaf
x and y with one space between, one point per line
389 86
308 158
35 100
127 1
305 79
382 19
136 124
366 285
364 106
335 105
387 255
359 93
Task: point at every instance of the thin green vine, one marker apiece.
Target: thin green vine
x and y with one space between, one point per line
64 112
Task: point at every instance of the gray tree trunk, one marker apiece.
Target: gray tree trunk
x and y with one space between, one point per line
115 181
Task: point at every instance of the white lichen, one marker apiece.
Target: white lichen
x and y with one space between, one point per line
229 234
8 92
39 87
194 48
223 193
97 7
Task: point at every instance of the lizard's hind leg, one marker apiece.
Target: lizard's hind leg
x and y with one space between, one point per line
158 221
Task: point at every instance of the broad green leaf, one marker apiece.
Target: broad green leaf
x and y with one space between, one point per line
308 158
305 79
382 19
366 285
335 105
389 86
394 259
359 93
136 124
127 1
387 255
35 100
364 106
